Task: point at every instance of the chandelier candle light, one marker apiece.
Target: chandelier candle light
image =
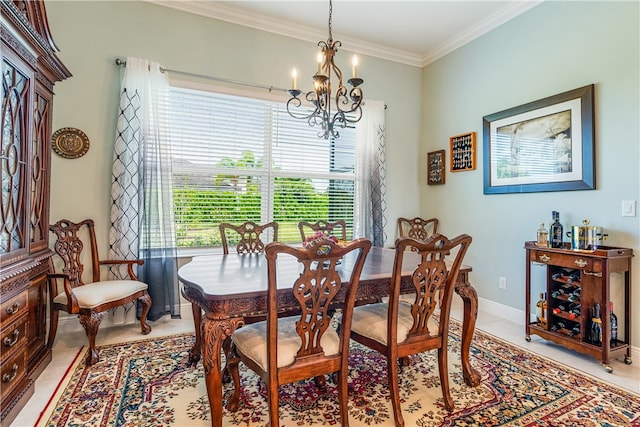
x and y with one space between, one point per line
347 101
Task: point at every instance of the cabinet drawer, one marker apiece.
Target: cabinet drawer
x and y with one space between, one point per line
562 260
13 371
13 337
14 308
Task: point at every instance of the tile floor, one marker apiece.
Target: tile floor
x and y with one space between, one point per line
68 343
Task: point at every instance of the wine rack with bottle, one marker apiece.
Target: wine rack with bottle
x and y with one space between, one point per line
576 299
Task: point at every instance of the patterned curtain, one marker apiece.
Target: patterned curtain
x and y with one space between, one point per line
142 217
370 203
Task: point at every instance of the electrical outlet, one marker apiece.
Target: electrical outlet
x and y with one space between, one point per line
502 283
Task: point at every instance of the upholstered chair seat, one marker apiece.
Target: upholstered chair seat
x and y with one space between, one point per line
371 321
251 340
93 295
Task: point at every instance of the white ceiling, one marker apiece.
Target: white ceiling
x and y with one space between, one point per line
415 32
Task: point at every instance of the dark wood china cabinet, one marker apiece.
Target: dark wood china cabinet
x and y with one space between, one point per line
30 68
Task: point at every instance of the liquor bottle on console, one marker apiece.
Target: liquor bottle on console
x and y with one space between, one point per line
596 326
555 231
543 236
613 324
541 310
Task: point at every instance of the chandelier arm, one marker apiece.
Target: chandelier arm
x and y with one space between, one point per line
293 104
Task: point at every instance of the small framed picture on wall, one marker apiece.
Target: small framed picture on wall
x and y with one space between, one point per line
463 152
435 167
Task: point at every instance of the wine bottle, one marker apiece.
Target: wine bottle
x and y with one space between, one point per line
559 325
565 307
540 315
575 295
575 330
555 231
544 310
596 326
613 324
574 277
566 289
574 311
543 236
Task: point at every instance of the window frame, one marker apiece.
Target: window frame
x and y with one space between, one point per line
268 174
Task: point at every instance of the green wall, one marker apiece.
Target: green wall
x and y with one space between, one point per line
92 34
553 48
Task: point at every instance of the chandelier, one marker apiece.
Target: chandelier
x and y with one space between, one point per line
346 101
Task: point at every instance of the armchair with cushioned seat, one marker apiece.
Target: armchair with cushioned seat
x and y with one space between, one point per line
398 328
289 349
89 300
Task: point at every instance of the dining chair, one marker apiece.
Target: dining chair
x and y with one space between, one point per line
417 228
89 300
289 349
309 229
250 236
398 329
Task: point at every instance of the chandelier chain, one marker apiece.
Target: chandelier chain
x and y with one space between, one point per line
330 18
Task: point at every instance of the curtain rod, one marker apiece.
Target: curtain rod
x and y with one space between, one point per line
122 62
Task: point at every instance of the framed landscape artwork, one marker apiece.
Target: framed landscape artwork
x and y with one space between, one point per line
545 145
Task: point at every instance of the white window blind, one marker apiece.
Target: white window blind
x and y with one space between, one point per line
237 159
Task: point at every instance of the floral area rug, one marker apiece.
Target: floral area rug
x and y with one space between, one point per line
148 383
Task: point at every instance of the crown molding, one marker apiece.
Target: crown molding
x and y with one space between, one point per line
224 12
510 11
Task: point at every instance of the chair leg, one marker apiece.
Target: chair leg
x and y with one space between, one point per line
53 327
274 404
343 399
232 370
145 300
392 371
443 369
226 348
91 323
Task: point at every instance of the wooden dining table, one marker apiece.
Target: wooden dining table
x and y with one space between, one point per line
224 289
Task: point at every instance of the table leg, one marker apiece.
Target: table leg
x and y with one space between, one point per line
214 332
470 299
196 350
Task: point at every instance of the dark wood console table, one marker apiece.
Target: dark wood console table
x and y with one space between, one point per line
588 273
228 287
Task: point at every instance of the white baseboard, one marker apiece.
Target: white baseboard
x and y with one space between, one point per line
518 316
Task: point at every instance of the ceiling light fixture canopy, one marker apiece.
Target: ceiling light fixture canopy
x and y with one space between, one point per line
347 101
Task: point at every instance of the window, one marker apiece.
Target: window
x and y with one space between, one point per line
237 159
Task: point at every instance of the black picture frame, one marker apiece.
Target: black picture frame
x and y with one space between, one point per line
545 145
